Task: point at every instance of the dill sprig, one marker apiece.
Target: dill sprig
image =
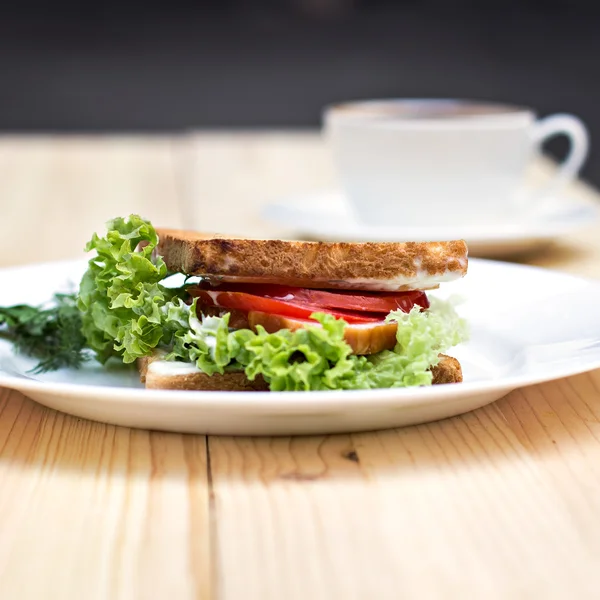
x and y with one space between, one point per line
51 333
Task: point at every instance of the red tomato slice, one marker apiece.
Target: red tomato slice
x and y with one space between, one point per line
251 302
364 301
374 302
363 307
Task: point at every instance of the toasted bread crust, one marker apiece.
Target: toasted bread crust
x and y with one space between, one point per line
228 382
448 370
313 264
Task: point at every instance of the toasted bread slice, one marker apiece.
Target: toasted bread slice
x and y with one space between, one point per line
387 266
159 374
187 377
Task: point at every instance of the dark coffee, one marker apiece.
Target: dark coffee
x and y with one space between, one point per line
425 109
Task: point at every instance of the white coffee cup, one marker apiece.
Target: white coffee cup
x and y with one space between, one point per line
443 162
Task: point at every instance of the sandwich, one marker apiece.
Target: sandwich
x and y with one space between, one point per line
205 312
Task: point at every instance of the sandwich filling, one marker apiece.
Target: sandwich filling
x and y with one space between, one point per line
276 307
353 307
296 338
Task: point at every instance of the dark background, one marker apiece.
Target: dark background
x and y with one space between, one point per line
116 66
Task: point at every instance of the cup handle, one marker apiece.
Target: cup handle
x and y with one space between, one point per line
575 130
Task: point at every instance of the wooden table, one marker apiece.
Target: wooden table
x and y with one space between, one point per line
503 502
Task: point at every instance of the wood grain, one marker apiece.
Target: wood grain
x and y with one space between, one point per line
97 511
90 510
56 191
499 503
454 509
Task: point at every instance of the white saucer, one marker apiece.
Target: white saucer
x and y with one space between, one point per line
325 215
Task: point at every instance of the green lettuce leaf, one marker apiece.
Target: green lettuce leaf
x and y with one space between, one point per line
315 358
421 337
208 342
125 309
318 358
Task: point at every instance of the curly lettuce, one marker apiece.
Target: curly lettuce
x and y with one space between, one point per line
125 309
208 342
318 357
315 358
420 338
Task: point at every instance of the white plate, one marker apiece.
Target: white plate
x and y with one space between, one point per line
528 325
326 215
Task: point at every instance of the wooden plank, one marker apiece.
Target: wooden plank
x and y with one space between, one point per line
454 509
95 511
89 510
56 191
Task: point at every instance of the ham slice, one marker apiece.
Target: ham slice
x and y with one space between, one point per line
363 338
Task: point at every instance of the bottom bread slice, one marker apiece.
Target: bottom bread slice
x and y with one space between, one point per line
159 374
